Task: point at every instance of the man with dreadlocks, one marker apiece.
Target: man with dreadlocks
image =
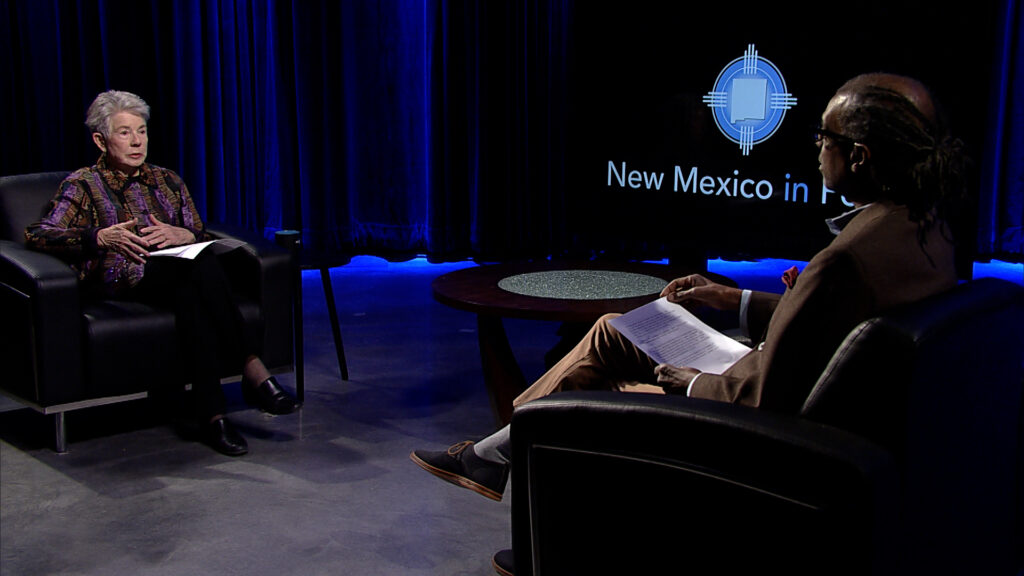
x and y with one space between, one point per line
882 144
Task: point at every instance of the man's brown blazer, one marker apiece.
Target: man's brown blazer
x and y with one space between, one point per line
874 264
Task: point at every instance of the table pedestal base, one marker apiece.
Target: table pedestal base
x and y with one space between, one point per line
502 374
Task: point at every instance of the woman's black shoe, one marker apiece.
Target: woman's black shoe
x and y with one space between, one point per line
222 436
269 397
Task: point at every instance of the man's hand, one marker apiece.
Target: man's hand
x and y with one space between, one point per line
122 240
674 379
696 289
164 235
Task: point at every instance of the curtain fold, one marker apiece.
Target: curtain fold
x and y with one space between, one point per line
499 112
1001 205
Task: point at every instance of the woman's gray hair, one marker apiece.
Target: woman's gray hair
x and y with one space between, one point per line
111 102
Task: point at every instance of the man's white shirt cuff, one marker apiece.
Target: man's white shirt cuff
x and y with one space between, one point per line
744 305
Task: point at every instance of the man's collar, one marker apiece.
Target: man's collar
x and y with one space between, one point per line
836 225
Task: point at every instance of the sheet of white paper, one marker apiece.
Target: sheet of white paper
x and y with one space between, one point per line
190 251
671 334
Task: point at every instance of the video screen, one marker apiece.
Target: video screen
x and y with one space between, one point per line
691 123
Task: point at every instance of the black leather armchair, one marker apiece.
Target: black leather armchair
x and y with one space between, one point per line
62 351
905 459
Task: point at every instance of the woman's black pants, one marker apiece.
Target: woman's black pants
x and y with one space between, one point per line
210 327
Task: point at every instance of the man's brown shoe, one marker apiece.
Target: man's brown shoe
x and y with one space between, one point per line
461 466
503 564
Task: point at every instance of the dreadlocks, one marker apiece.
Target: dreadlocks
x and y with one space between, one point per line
916 162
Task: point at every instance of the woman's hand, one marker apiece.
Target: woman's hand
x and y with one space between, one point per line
696 289
164 235
122 240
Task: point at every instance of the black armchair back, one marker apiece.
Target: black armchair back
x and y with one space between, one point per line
62 351
906 459
22 201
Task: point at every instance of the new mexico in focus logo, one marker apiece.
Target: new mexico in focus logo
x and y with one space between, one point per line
749 100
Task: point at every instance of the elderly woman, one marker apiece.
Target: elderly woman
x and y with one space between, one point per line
106 219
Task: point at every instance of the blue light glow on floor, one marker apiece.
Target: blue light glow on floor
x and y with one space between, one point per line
758 275
998 269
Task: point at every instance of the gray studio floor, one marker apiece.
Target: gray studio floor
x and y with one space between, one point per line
329 490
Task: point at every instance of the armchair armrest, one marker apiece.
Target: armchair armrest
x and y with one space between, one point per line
261 260
40 298
610 482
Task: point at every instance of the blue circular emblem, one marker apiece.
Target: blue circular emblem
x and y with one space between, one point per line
749 100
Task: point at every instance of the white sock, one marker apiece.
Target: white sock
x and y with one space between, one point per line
495 448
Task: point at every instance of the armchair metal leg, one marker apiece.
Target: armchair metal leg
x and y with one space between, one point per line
298 342
61 438
291 239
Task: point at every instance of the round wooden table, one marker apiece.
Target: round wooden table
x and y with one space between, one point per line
577 292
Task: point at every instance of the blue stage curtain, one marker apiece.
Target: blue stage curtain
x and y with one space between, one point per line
387 127
1001 206
499 115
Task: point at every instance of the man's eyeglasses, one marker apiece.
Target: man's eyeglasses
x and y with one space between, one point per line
821 133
